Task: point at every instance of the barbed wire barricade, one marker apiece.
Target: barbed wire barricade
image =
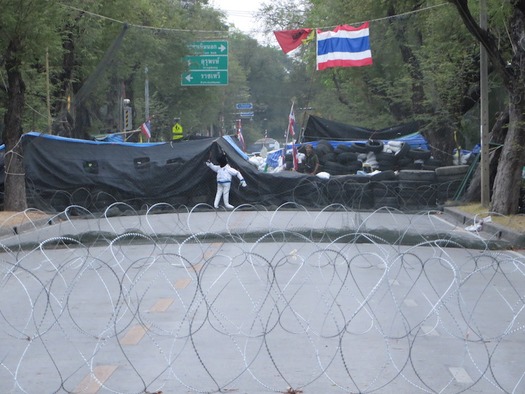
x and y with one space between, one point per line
256 301
407 190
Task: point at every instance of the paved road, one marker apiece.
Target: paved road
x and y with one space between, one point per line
259 302
392 227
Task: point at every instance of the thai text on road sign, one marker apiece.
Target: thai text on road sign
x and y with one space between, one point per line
208 64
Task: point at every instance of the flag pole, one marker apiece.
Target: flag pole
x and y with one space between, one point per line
286 133
291 130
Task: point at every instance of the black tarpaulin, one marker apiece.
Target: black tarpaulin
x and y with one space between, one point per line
151 172
139 174
63 172
322 129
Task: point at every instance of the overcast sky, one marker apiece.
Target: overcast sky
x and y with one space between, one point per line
241 14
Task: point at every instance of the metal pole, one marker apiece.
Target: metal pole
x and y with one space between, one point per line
484 112
121 108
48 95
146 94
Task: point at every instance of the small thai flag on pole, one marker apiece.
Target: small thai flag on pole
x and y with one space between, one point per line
291 122
146 129
239 134
291 132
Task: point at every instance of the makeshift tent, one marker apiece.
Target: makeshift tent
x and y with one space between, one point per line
61 172
268 143
64 171
322 129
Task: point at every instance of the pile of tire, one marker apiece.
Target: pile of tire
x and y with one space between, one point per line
340 160
288 161
385 189
449 180
417 189
374 154
357 192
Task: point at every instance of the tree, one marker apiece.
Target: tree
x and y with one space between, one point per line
26 25
409 79
270 88
508 61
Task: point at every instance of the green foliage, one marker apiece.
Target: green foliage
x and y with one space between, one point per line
441 60
425 62
32 25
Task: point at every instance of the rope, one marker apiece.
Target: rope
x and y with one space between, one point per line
227 32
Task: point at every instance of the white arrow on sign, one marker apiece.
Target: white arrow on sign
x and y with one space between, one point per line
188 77
222 48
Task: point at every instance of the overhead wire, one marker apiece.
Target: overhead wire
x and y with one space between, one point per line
241 13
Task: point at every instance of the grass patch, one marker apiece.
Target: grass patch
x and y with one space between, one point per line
516 222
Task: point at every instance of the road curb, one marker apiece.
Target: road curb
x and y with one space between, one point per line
26 226
514 237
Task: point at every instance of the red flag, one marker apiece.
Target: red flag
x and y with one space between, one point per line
294 155
291 39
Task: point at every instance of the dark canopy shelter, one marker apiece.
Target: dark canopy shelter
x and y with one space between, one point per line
322 129
63 171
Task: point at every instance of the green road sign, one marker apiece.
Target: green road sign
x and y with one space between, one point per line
208 65
209 47
207 62
203 78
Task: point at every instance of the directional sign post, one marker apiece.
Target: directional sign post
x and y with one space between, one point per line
208 66
244 106
199 78
209 47
205 62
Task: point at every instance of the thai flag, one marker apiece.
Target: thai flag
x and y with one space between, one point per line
146 129
240 137
291 131
291 122
346 46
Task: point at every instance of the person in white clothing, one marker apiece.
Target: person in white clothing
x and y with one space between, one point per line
224 180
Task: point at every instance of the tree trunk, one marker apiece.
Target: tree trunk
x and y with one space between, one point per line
441 141
15 187
497 138
507 184
63 81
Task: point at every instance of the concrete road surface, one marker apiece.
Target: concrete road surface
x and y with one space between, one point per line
260 302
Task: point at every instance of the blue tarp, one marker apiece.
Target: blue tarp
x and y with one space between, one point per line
415 140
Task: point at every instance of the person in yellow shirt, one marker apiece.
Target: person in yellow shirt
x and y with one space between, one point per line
177 131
